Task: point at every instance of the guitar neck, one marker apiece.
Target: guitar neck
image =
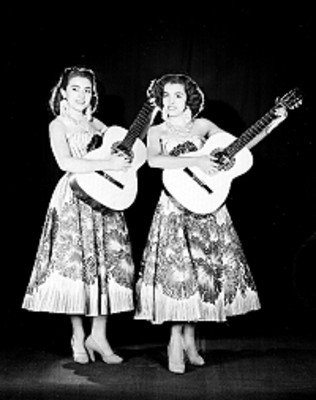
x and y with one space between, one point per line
137 126
250 133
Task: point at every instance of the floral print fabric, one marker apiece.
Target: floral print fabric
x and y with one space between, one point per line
83 263
193 267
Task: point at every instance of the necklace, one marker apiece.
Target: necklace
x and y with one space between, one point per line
77 121
179 130
82 124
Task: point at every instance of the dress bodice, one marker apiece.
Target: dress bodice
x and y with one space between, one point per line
174 144
80 136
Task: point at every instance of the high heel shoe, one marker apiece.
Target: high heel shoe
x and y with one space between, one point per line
176 367
93 347
193 356
80 357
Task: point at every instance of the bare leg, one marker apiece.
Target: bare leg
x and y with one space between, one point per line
190 345
175 350
98 342
98 333
77 341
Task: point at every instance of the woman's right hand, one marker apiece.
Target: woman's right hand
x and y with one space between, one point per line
119 162
207 164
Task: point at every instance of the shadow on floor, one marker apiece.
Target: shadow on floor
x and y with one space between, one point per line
252 368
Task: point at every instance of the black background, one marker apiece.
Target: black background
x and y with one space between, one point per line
243 57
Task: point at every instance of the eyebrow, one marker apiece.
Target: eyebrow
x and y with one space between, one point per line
178 92
77 86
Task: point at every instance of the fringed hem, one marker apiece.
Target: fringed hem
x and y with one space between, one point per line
61 295
120 297
156 307
57 294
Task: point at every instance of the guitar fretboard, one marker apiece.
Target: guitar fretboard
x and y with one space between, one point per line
250 133
137 126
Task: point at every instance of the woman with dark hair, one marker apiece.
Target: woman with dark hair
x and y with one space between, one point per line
193 267
83 265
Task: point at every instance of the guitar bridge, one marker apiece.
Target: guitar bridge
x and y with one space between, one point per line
198 180
111 179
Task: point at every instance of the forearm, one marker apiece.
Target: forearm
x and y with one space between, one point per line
280 115
263 134
257 139
79 165
171 162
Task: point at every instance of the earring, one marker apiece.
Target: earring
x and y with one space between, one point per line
63 107
88 113
164 114
187 115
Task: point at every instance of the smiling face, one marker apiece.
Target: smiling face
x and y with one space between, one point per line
78 93
174 99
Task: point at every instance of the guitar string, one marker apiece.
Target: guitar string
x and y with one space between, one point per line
250 133
290 100
137 126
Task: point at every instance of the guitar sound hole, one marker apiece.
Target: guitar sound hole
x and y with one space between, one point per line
225 163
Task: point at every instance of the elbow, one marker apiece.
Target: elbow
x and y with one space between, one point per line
152 162
63 165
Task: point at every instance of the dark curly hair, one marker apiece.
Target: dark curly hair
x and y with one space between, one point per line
195 96
67 74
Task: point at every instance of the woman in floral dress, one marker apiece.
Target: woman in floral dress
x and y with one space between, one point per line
83 265
193 268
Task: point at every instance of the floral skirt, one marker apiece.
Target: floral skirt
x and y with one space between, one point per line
84 263
193 268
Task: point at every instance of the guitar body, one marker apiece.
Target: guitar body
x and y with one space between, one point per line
116 190
203 193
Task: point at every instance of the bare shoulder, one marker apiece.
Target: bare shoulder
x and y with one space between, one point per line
204 123
205 127
156 131
98 125
56 126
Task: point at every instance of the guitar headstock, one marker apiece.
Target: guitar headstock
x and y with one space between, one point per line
291 99
151 99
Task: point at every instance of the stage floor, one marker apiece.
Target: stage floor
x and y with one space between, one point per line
252 368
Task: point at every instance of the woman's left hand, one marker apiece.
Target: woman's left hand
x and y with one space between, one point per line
280 115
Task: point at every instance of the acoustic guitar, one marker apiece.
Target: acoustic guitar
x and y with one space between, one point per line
115 190
202 193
